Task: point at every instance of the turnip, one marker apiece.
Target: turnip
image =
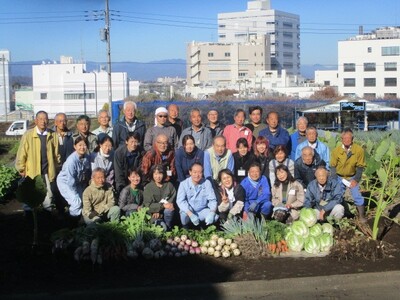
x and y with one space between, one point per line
138 245
99 259
188 242
234 246
218 248
228 242
155 244
192 251
236 252
225 254
214 237
177 239
167 247
163 253
227 248
213 243
78 253
210 251
157 255
169 241
195 244
147 253
132 254
186 247
183 237
197 250
178 254
182 243
181 247
174 244
206 244
221 241
203 249
217 254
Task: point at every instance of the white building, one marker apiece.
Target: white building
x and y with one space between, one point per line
368 65
259 19
4 82
225 63
67 87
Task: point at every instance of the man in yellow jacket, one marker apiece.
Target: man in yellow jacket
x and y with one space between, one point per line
38 155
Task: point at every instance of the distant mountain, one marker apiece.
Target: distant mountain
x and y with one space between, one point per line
149 71
308 71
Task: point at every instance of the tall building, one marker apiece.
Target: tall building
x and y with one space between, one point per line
369 64
226 63
4 82
259 19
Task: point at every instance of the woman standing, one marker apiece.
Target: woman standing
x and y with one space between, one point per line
74 177
186 156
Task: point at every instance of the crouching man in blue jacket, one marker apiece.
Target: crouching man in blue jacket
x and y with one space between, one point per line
196 199
324 195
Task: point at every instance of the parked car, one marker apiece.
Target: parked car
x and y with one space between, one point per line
18 127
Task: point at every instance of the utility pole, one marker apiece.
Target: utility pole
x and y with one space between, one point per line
107 34
4 86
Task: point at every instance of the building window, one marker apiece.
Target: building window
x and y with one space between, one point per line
222 36
43 96
287 24
369 95
255 53
287 65
221 25
349 82
242 74
369 49
287 45
391 51
368 67
227 54
390 95
287 34
327 83
391 81
349 67
390 66
210 54
369 81
288 54
270 23
240 34
77 96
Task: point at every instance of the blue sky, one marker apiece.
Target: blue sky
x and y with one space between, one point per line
151 30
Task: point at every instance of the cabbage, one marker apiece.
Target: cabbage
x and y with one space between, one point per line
327 228
326 241
300 229
308 216
312 245
295 242
316 230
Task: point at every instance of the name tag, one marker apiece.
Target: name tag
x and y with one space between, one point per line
246 133
241 173
169 173
292 192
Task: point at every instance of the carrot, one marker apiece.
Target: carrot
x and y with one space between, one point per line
279 245
273 248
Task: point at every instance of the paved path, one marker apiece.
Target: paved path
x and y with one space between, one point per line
380 286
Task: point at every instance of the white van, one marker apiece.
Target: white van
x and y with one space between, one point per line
18 127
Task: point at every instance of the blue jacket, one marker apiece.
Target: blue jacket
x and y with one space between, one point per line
261 193
332 194
121 131
183 161
321 149
196 198
74 177
295 140
280 138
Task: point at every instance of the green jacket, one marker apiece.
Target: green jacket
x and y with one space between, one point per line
28 155
100 199
153 194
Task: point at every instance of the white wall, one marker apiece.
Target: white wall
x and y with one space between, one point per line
4 81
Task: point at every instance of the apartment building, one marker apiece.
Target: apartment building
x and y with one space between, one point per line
282 28
4 82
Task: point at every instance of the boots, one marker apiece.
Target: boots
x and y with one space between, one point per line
361 213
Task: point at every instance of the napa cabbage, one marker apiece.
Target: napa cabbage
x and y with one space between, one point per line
308 216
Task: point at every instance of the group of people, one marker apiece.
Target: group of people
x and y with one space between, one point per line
194 176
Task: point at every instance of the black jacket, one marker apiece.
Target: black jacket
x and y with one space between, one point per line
121 131
305 173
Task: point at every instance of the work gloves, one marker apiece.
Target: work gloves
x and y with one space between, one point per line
252 208
210 218
195 219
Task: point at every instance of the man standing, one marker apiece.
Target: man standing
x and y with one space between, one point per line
217 158
38 155
347 165
255 113
202 135
129 124
173 119
237 130
83 130
213 124
298 136
313 142
275 134
104 122
196 199
64 137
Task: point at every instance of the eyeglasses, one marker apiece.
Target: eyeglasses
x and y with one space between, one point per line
162 116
